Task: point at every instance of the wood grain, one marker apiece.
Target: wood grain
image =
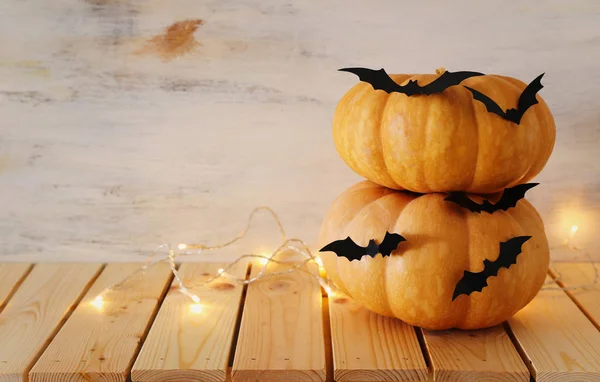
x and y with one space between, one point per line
99 343
11 276
370 347
571 275
281 333
477 355
106 153
36 311
188 344
557 339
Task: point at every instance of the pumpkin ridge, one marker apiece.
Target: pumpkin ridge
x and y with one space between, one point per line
348 142
466 308
532 158
423 156
382 153
473 116
538 163
385 283
483 119
522 300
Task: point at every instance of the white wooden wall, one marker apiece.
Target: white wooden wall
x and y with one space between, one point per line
110 145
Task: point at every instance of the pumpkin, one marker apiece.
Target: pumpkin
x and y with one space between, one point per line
442 142
416 282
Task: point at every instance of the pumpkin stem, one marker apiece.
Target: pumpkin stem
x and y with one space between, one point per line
440 71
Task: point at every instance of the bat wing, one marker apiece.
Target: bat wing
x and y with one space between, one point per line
512 195
464 201
528 97
346 248
475 282
509 250
469 283
390 243
379 79
490 105
446 80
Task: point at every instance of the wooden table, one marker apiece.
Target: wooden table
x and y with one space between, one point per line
128 123
53 328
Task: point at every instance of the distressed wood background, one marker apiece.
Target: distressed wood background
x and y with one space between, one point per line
128 123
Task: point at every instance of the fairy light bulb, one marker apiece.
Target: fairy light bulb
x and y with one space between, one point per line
196 308
220 271
182 246
319 262
264 259
574 230
98 302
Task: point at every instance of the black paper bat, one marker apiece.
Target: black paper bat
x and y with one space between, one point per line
509 198
352 251
475 282
526 100
380 80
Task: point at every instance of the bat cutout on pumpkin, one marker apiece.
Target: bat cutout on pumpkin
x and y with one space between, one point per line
509 198
476 281
380 80
349 249
526 100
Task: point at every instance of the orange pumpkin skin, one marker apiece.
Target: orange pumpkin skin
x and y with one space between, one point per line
416 283
442 142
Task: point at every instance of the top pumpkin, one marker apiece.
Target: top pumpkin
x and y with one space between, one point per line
443 142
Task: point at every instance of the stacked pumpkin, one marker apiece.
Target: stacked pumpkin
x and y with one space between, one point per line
440 235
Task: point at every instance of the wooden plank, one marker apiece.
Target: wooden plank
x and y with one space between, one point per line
281 333
100 341
477 355
36 312
588 298
11 276
190 341
370 347
327 335
558 341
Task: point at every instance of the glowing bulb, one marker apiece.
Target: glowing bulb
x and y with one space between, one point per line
328 290
574 230
195 298
182 246
319 262
98 302
196 308
220 271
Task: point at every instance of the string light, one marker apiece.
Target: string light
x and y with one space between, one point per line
184 249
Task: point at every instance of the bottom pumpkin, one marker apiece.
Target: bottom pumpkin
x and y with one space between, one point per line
416 283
